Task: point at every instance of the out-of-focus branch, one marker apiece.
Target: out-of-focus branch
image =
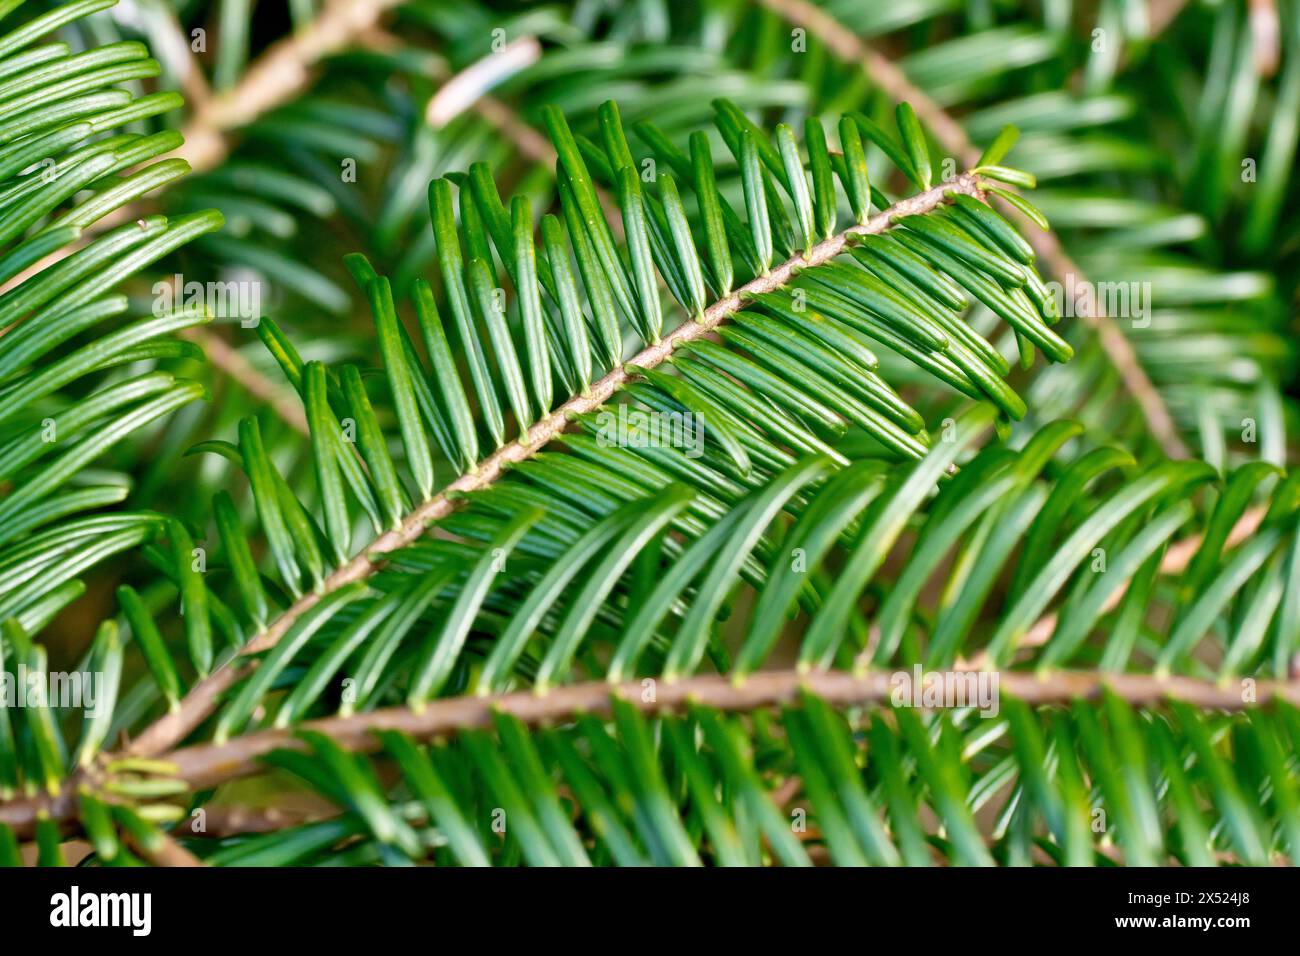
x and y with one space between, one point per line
468 89
889 77
1175 561
276 77
225 357
221 822
1161 13
280 73
1266 36
161 850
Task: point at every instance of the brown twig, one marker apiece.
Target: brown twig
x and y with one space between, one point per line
882 71
1161 13
161 850
1266 36
221 822
221 354
207 765
276 77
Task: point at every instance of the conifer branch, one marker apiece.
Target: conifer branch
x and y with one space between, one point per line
173 727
